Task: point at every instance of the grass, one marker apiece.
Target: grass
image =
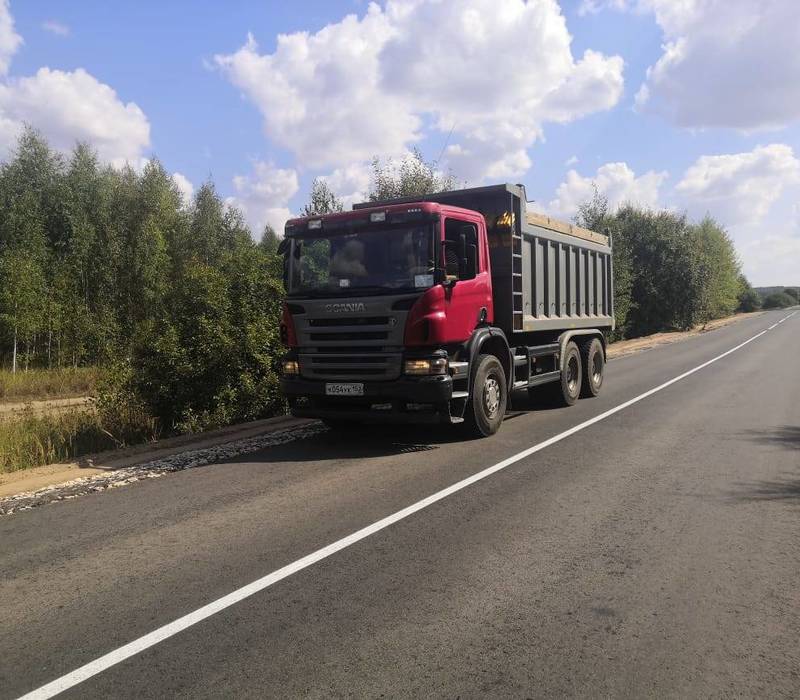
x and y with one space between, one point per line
40 384
31 440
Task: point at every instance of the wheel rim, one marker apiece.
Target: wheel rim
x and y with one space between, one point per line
491 396
573 374
597 368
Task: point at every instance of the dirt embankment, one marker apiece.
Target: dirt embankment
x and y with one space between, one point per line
628 347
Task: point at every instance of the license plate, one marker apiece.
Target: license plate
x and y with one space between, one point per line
344 389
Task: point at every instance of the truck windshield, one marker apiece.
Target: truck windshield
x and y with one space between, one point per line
393 258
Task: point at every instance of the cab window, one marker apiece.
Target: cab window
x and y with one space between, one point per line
460 250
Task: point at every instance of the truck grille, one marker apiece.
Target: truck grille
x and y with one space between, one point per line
351 348
365 321
349 336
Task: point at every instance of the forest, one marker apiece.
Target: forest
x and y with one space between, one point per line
176 304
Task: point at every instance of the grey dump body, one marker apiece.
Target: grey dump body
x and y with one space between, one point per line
546 275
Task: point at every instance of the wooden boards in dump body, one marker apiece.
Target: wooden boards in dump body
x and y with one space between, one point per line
547 222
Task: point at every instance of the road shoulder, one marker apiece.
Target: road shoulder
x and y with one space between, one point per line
621 348
53 475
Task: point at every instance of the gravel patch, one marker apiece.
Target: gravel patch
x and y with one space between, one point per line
153 469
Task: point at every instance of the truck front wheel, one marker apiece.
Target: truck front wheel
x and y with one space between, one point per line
488 399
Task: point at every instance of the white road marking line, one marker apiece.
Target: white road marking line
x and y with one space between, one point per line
785 318
116 656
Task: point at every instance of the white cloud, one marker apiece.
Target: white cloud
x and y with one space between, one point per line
772 259
54 27
377 84
616 181
319 93
740 188
350 183
725 63
185 187
67 106
592 7
264 196
572 160
754 195
10 41
70 106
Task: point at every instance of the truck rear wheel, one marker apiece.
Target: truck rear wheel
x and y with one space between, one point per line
594 363
489 396
571 376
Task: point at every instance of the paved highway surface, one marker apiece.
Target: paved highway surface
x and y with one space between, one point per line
656 552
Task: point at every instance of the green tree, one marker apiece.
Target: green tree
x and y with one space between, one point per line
211 357
208 220
87 268
663 270
268 245
748 299
413 176
322 200
718 284
793 292
779 300
669 273
153 213
22 299
32 230
269 240
595 215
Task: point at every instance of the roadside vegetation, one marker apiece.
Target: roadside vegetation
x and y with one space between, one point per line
42 384
29 440
669 273
168 311
779 297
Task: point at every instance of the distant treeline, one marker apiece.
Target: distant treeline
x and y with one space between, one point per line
778 297
109 266
669 273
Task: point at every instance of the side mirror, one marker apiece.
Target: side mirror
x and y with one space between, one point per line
283 246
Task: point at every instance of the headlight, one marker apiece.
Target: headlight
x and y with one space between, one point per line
437 365
291 367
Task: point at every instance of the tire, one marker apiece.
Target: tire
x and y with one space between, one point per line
594 364
571 376
489 397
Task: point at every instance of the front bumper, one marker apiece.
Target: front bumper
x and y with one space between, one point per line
403 400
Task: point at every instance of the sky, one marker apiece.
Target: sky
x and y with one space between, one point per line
687 105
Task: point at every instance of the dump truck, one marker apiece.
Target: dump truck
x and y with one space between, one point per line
435 309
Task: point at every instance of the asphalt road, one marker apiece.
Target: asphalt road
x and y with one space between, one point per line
654 553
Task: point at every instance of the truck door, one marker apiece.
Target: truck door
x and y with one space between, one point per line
468 295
